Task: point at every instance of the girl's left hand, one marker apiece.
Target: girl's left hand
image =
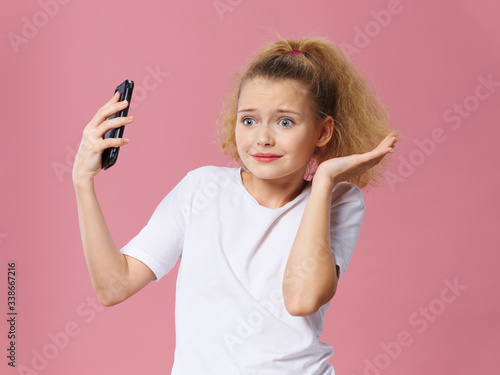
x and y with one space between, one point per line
348 167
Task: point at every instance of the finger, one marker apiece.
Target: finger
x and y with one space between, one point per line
389 141
384 142
113 124
379 153
391 137
107 110
115 98
394 140
114 142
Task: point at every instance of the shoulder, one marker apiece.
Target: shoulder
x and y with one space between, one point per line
346 192
207 169
210 174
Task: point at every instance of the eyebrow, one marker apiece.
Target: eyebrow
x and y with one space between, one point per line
281 110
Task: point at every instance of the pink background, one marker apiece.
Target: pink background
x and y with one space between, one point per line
435 221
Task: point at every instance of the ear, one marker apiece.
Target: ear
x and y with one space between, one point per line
325 132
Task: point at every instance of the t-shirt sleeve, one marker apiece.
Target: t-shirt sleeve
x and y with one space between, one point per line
346 215
159 244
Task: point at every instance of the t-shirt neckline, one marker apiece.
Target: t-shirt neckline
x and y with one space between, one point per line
240 182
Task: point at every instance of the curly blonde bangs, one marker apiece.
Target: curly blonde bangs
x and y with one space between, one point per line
336 88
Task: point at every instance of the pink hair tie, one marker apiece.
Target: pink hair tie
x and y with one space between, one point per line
295 51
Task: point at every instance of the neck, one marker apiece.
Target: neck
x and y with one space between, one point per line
273 193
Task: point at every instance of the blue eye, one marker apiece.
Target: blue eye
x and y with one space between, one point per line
288 122
246 123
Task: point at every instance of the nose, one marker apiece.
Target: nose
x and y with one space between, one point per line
265 136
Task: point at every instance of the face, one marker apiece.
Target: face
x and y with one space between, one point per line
276 129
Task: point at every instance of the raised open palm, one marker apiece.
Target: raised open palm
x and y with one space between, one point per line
348 167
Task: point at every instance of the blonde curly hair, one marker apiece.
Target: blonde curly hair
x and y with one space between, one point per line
336 88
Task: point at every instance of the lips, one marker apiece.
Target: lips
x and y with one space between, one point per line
266 157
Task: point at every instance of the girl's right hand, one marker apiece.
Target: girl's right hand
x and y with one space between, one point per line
89 156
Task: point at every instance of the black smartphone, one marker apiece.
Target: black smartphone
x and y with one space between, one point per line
110 155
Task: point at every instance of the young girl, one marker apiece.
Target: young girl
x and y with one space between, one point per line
262 247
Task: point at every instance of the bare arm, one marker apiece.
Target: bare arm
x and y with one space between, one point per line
115 276
311 274
310 278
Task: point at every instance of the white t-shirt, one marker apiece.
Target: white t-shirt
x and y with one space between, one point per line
230 317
